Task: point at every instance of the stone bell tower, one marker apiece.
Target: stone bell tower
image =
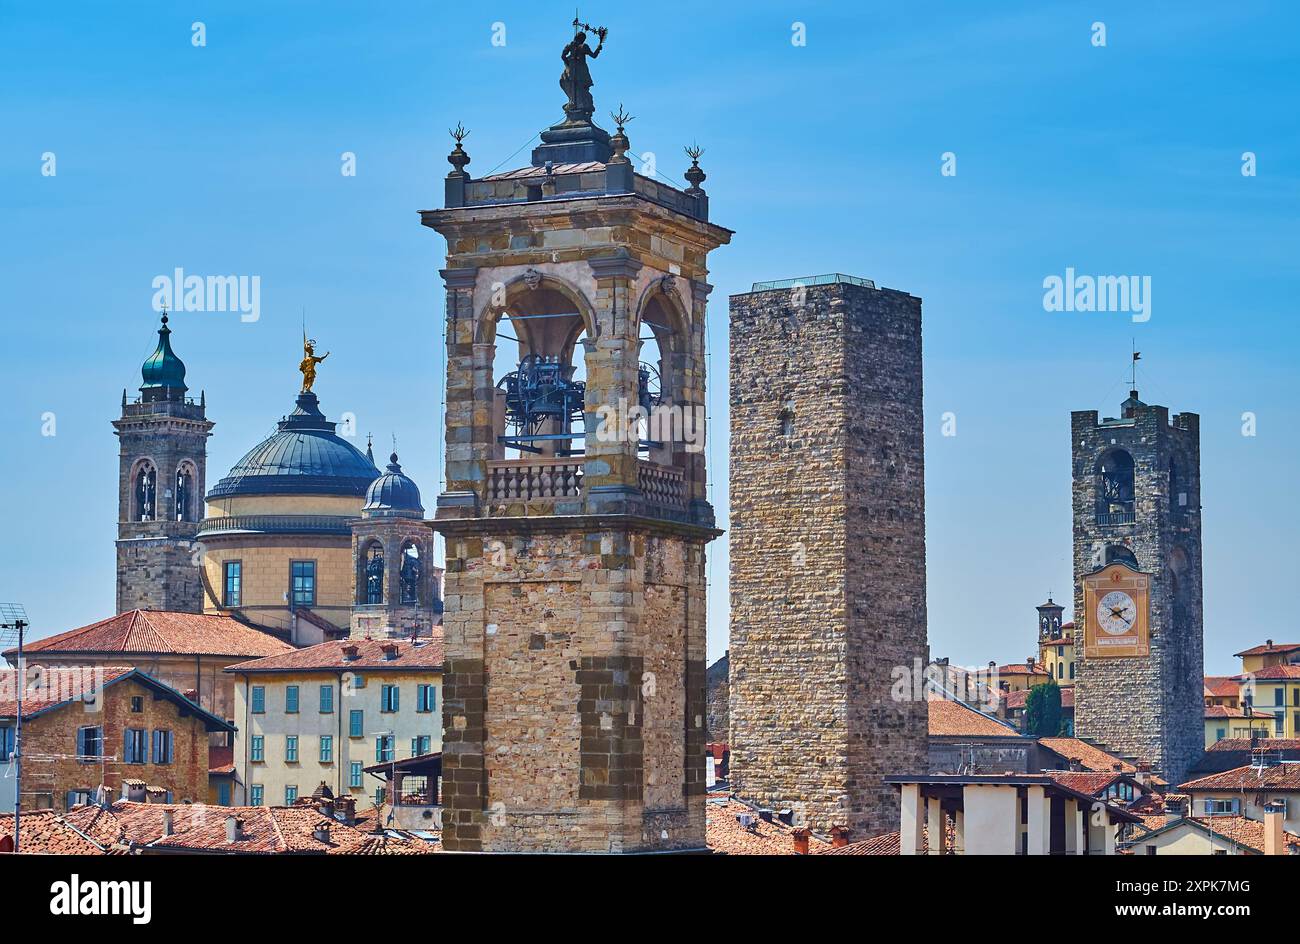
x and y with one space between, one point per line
1137 501
575 526
162 462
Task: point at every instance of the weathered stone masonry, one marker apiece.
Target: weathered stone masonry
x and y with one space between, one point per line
827 550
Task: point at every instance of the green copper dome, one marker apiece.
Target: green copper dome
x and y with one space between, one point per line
163 372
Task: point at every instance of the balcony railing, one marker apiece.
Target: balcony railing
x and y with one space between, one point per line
1126 517
539 480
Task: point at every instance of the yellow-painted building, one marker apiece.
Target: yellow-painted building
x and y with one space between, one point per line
1056 655
323 714
277 538
1269 654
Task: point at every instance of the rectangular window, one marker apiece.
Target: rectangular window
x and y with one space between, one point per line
356 723
384 748
90 743
326 749
259 700
232 579
354 775
379 796
78 798
1220 734
1279 695
291 699
223 794
291 749
7 743
290 795
302 582
421 745
255 795
255 753
135 746
163 746
326 699
137 704
1219 806
389 698
426 698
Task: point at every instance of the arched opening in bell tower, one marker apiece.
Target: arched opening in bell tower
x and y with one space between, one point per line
1115 485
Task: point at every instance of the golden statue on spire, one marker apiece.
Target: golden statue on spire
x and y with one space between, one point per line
309 362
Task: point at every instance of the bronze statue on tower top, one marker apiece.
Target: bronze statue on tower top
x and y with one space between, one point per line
576 78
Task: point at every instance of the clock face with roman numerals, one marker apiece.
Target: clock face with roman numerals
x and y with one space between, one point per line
1116 613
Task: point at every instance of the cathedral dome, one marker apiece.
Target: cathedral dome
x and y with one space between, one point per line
393 493
163 372
304 456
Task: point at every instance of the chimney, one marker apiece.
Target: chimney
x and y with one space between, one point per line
345 809
839 836
1268 643
1274 843
322 832
168 824
349 653
234 829
390 651
1029 663
800 837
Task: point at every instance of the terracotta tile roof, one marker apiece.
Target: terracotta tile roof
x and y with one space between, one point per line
1089 756
1284 776
1090 782
47 833
267 830
1273 672
48 688
1245 744
163 632
221 761
1248 832
329 656
892 843
1222 686
1266 649
1223 711
522 172
950 718
725 834
1019 668
1058 641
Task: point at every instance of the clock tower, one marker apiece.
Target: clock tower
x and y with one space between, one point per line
1137 584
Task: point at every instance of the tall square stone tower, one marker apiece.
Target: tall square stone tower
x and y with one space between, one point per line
574 622
162 463
827 549
1137 501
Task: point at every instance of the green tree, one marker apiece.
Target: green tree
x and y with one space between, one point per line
1043 710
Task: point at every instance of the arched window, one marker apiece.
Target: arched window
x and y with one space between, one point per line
146 492
1115 483
412 572
184 494
374 573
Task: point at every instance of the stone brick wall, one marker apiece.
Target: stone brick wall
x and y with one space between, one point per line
50 741
827 551
157 563
718 685
1151 707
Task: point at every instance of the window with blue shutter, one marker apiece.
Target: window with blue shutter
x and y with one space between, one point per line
255 748
135 746
354 775
290 795
356 723
223 794
291 699
163 747
7 743
326 749
420 745
389 697
384 748
90 743
326 699
259 700
291 749
426 698
255 795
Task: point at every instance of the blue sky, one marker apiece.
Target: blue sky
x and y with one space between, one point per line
825 157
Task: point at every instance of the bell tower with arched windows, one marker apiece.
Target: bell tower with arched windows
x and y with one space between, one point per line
163 459
1137 502
576 510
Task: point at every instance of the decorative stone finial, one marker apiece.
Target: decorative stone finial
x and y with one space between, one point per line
458 158
618 141
694 174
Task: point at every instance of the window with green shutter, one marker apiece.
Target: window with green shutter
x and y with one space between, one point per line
258 700
291 699
255 748
356 723
326 749
291 749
